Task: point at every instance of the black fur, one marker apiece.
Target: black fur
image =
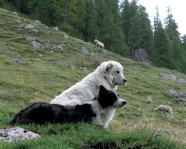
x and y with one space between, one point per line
41 113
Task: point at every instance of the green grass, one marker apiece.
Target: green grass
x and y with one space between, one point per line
21 85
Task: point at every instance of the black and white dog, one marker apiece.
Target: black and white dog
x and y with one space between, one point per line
98 111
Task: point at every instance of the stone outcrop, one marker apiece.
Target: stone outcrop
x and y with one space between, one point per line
141 56
168 76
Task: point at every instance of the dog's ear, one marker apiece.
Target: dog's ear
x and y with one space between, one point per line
103 90
103 93
109 66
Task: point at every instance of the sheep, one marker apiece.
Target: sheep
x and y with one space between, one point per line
99 44
164 108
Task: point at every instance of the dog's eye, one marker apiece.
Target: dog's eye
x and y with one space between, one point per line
117 71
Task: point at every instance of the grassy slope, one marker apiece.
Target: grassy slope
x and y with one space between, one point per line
21 85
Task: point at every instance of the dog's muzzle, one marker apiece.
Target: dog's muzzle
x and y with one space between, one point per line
124 80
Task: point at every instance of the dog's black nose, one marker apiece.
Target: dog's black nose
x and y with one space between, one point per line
124 102
125 80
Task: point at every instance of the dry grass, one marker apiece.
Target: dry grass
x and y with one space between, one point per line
47 100
149 99
116 125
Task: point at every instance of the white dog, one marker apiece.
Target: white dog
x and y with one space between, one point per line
109 74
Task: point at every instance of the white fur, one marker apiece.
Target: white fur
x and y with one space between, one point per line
104 115
99 44
109 74
164 108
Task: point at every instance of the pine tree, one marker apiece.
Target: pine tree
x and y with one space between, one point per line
1 3
125 19
171 30
162 45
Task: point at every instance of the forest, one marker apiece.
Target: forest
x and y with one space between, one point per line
122 26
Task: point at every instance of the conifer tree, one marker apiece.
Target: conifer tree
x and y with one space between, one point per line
162 45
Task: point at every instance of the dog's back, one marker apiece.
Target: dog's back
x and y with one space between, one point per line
40 113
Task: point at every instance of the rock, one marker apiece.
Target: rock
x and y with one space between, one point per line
56 28
104 51
92 54
29 38
11 48
172 92
181 94
84 50
181 101
169 76
72 66
15 13
62 45
169 103
128 124
36 21
18 61
36 44
181 81
67 37
16 134
40 55
141 56
29 26
21 25
3 55
126 69
35 30
18 21
85 69
38 59
179 109
60 48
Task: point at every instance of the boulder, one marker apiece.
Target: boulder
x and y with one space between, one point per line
181 94
29 38
84 50
36 21
12 48
181 81
18 21
38 59
103 51
141 56
18 61
172 92
29 26
169 76
35 30
181 101
56 28
36 44
67 37
85 69
16 134
72 66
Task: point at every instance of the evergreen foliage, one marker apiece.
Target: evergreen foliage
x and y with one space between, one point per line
122 28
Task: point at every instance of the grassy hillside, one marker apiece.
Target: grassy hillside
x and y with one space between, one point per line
40 80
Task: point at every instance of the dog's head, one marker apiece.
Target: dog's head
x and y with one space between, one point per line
108 98
113 72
